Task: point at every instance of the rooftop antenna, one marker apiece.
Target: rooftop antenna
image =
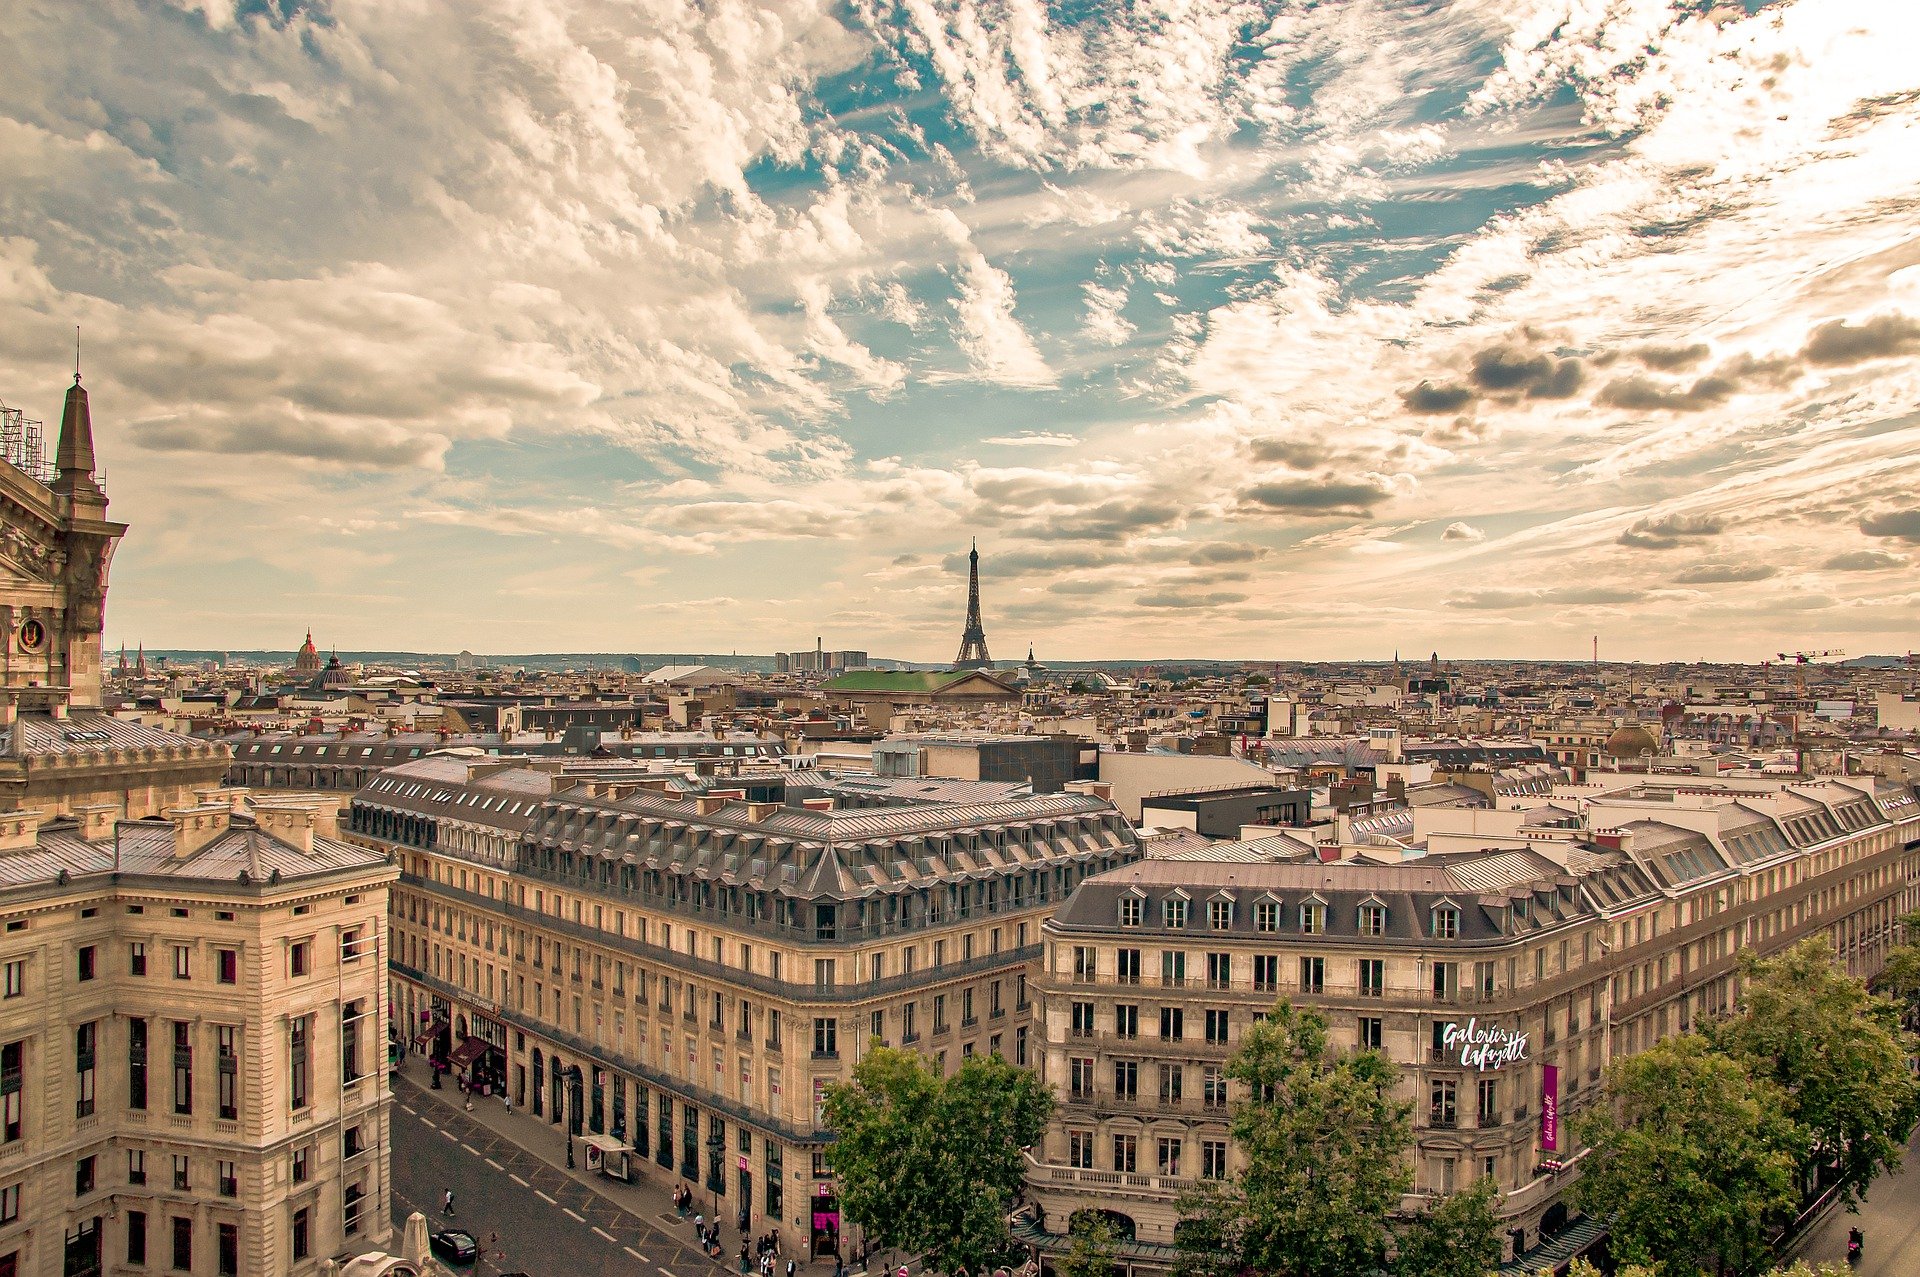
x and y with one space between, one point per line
76 352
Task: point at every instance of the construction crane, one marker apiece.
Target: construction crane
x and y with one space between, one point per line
1800 662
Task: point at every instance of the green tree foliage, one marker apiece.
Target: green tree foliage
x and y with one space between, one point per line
1900 978
1838 1054
1325 1146
1801 1268
1459 1237
1091 1254
1694 1160
929 1165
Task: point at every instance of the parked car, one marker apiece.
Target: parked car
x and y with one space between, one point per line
455 1245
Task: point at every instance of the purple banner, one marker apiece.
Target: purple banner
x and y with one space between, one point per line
1549 1108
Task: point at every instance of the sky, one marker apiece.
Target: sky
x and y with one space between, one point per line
1230 328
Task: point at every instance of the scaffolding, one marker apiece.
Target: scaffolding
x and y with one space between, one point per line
22 445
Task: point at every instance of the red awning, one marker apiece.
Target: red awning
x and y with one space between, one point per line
425 1037
467 1052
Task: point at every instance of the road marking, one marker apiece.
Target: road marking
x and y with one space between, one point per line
470 1148
451 1137
604 1233
496 1166
578 1218
549 1200
516 1179
636 1254
428 1123
663 1272
408 1108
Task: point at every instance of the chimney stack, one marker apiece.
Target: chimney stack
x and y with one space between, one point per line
290 823
195 827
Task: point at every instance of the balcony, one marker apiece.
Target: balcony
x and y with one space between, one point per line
1108 1183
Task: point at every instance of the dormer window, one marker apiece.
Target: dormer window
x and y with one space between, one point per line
1173 911
1266 915
1446 922
1220 913
1313 918
1131 907
1373 919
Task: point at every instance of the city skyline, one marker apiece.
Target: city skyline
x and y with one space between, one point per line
1236 329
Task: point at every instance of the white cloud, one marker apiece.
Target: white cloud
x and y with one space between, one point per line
988 331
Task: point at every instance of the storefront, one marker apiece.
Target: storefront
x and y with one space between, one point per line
826 1221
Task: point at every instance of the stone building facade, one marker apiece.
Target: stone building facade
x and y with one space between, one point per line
1501 981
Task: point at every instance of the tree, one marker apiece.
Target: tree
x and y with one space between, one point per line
1692 1158
1091 1254
1900 978
1459 1237
1324 1141
927 1164
1838 1054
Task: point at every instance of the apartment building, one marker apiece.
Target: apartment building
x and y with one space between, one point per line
687 963
1501 980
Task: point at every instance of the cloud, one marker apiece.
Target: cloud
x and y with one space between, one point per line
988 331
1104 324
1508 368
1501 600
1031 439
1429 398
1644 394
1903 525
1667 531
1462 532
1864 561
1671 358
1217 552
1182 599
1324 496
1838 343
1725 573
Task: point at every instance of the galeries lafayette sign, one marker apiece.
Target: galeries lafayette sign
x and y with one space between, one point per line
1485 1046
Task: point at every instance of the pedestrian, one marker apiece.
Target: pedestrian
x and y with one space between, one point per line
446 1204
508 1101
839 1264
699 1224
469 1104
789 1268
743 1256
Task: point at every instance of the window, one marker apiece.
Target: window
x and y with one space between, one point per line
1443 1106
1125 1153
1173 968
1373 977
1126 966
1373 920
182 1243
1213 1159
302 1234
229 1177
1446 980
909 1029
939 1013
1370 1032
1219 914
1079 1150
1446 922
13 1123
83 1175
16 977
182 1067
1130 910
1173 1023
1213 1086
1083 1019
136 1064
351 947
85 1039
1313 918
350 1207
1489 1110
826 1037
1217 1027
1173 911
302 1165
9 1203
1266 915
1080 1077
1126 1021
300 1060
137 958
136 1166
298 957
1219 970
227 964
1172 1080
1313 975
350 1016
227 1062
229 1250
182 970
1083 964
137 1238
86 956
1266 972
1167 1155
1126 1079
182 1173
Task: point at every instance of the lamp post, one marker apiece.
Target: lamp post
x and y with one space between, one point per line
716 1148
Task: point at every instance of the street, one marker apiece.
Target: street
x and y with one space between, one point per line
549 1224
1890 1218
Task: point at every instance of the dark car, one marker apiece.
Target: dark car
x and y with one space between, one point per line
455 1244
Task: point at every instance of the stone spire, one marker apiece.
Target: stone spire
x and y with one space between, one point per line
75 456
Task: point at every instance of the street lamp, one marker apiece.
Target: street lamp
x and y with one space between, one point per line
716 1148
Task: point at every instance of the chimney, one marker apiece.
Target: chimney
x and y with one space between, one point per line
96 821
195 827
817 804
288 822
20 830
708 804
757 812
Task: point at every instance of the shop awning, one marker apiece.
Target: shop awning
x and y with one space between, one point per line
425 1037
467 1052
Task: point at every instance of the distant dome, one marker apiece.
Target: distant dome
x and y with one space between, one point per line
307 661
1630 740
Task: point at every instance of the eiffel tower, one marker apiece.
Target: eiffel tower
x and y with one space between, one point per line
973 639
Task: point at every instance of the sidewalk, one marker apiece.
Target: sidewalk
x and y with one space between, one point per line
644 1199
